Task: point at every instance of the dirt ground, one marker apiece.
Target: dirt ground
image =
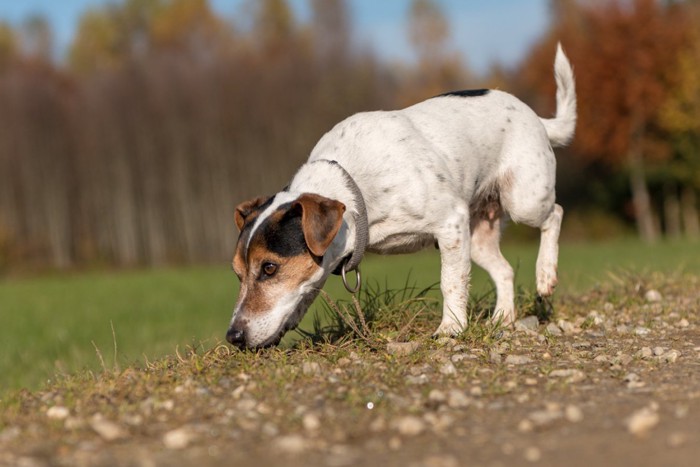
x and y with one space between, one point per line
612 378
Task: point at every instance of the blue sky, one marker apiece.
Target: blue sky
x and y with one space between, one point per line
483 31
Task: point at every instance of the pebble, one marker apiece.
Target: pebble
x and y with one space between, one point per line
439 422
659 351
446 341
623 359
676 439
641 331
494 357
343 361
377 425
269 429
525 426
631 378
553 330
683 323
529 323
409 425
179 438
311 422
310 368
458 357
395 443
108 431
440 461
517 359
401 349
542 418
570 375
653 296
293 444
246 405
74 423
448 369
57 412
566 327
418 379
533 454
437 396
671 356
642 421
644 352
457 399
573 414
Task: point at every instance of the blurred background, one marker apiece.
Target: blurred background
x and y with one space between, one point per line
129 130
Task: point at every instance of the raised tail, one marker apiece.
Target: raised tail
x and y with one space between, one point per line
560 129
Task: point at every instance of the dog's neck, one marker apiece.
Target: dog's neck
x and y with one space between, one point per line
329 179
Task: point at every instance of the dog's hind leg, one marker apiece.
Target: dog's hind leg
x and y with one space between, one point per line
453 241
486 252
546 269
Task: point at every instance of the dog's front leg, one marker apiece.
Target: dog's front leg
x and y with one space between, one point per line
453 241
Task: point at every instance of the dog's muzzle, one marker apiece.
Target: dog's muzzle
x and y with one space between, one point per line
236 337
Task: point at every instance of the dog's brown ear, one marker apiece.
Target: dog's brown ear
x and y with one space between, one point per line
321 219
245 210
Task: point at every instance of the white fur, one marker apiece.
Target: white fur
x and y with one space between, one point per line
422 171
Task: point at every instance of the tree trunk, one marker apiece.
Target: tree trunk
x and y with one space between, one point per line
672 211
646 227
689 210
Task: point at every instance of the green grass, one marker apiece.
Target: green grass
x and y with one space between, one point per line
61 323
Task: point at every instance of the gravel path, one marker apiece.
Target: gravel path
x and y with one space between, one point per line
613 379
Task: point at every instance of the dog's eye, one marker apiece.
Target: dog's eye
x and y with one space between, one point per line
269 269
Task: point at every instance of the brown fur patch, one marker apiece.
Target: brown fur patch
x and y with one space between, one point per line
258 294
247 211
321 218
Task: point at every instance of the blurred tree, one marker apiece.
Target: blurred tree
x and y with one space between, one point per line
37 38
188 25
114 34
438 70
8 44
96 43
331 30
680 115
623 53
273 26
428 30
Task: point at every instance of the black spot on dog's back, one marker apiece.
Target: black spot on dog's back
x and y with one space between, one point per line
465 93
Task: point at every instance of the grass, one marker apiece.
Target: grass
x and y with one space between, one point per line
61 323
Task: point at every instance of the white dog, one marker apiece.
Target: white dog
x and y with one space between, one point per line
444 171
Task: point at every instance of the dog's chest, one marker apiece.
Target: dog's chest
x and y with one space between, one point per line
408 242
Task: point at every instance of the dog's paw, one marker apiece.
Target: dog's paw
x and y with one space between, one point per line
547 280
450 328
503 317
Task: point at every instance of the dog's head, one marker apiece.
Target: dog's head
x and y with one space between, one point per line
279 260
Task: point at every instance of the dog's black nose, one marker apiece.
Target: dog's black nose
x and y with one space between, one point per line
235 337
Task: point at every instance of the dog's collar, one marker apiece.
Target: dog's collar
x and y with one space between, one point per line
352 261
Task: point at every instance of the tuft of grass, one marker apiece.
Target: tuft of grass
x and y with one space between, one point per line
379 315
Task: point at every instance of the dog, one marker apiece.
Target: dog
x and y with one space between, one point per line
446 172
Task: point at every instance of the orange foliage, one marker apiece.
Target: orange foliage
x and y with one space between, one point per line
624 55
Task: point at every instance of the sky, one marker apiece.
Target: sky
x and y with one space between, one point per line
483 31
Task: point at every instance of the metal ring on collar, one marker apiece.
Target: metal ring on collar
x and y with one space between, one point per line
345 281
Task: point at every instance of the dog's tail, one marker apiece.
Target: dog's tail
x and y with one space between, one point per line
560 129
